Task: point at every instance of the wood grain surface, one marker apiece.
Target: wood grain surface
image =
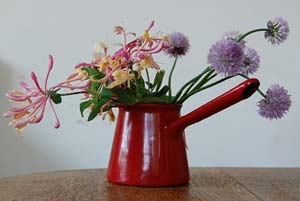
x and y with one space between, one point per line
207 184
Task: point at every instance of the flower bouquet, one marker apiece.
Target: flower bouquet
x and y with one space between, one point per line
123 79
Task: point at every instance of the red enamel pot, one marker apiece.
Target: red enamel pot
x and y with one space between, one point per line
149 144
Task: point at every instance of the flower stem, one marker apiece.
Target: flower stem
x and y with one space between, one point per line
251 32
73 93
205 87
170 77
205 79
148 77
192 82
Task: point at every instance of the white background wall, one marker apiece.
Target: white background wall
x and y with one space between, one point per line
30 30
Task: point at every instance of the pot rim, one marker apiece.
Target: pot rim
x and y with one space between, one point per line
166 106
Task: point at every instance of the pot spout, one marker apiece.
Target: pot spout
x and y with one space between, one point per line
240 92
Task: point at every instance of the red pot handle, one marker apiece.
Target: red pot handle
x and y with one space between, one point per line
240 92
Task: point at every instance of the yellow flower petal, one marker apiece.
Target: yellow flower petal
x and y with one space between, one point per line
120 76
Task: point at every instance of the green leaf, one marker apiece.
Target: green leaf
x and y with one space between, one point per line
106 94
158 79
56 98
94 87
84 105
97 75
140 88
96 109
150 85
124 96
92 71
151 99
162 92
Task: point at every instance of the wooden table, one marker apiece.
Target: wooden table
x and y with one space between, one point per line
207 184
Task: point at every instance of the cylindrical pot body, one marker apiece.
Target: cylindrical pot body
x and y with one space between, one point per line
144 153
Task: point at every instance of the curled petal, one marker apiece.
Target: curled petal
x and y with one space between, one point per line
19 96
83 64
120 30
26 86
151 25
16 95
50 67
77 86
72 76
41 114
28 107
57 123
30 117
35 80
159 47
128 47
8 114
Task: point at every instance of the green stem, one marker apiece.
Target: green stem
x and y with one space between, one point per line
251 32
191 83
99 91
206 79
202 82
205 87
259 91
73 93
170 78
148 78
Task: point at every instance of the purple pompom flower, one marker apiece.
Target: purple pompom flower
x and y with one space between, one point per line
235 36
278 31
179 44
276 103
226 57
251 61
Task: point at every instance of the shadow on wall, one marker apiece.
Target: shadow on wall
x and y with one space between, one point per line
18 155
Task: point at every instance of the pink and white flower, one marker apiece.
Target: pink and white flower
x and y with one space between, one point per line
36 98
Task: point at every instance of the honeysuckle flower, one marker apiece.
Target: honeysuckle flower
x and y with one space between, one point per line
37 97
77 80
101 46
110 114
250 62
104 63
120 30
120 76
148 61
137 52
179 44
276 103
83 64
226 57
278 31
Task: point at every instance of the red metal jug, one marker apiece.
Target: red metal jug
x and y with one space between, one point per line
149 144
